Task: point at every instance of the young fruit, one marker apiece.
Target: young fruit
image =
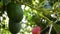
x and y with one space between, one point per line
36 30
14 12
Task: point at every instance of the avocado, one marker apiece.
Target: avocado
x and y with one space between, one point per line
14 28
14 12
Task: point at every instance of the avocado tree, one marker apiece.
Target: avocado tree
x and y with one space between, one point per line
20 16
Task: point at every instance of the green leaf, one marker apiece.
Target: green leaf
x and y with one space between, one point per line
57 6
57 28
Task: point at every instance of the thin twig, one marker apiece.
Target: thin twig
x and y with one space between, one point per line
50 29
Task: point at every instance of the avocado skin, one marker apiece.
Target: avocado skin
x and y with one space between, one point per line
14 27
14 12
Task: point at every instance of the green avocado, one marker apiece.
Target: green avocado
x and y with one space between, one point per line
14 12
14 28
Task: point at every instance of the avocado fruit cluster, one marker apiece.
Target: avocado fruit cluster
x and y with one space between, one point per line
15 14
